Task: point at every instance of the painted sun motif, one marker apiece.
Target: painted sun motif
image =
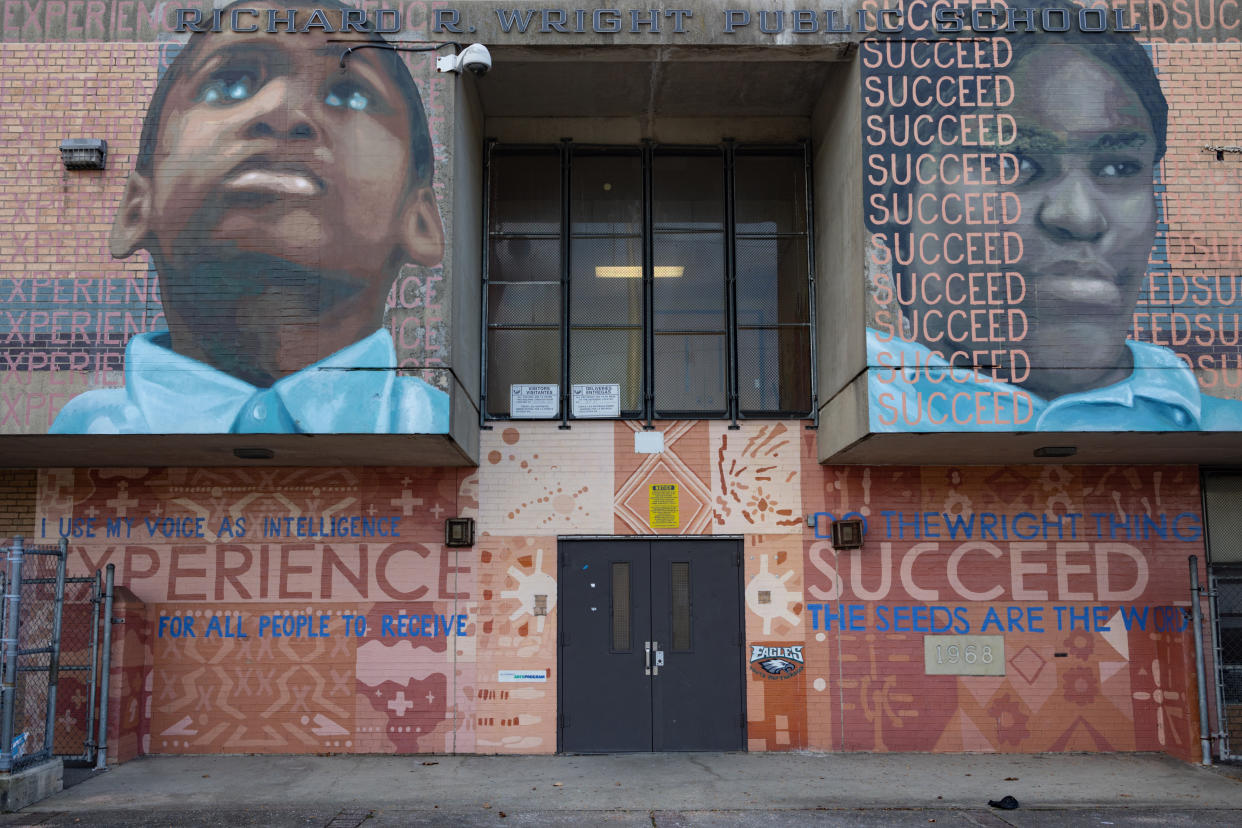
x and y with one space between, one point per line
779 600
758 504
754 485
530 585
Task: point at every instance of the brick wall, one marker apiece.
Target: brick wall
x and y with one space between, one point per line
1091 685
1081 572
1203 199
71 305
17 502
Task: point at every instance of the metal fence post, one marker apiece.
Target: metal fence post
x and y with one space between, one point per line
53 664
96 603
1196 613
101 758
1222 731
12 600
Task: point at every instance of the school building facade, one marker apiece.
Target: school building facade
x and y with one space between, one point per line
713 280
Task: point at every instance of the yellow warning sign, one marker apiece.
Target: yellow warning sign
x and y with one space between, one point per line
664 509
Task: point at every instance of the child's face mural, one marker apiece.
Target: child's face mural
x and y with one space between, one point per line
1085 217
1086 148
268 150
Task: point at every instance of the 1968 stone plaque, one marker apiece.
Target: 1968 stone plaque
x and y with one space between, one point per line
964 655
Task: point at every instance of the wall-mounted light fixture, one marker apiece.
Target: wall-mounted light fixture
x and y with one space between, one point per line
459 531
84 153
253 453
1221 149
1056 451
847 533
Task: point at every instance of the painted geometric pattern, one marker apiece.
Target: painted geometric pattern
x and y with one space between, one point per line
1080 568
680 463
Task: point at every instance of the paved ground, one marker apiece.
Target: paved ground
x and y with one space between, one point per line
712 790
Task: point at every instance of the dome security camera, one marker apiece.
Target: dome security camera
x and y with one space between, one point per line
474 58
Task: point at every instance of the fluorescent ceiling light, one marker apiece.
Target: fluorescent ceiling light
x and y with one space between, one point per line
628 272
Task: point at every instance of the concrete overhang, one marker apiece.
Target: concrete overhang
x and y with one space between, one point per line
845 439
155 450
977 449
657 81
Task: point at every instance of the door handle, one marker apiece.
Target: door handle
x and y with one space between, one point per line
647 645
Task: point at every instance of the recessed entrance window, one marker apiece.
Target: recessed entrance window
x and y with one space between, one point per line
681 276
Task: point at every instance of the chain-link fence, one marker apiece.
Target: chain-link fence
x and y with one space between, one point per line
49 628
35 581
1228 588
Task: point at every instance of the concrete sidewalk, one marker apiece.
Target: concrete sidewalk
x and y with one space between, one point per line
645 789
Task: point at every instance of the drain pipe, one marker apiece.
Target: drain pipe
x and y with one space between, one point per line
1196 614
101 758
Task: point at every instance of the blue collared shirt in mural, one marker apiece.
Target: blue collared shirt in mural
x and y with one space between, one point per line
1161 394
167 393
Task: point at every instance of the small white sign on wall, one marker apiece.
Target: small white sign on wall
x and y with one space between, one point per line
964 655
648 442
598 400
534 402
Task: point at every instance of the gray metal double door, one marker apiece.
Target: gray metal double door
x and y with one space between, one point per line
651 649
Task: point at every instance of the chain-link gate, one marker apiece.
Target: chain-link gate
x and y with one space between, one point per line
74 728
49 627
1227 588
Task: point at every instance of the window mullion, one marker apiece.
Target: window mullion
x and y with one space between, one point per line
566 232
731 379
484 297
808 180
648 288
748 259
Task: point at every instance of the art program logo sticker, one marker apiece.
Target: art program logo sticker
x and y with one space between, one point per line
776 662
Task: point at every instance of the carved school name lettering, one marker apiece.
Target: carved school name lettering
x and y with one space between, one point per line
943 20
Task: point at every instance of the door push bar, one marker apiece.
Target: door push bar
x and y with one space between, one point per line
654 647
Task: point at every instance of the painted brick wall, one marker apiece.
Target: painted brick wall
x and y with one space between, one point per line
1203 197
1081 569
71 306
862 688
1079 675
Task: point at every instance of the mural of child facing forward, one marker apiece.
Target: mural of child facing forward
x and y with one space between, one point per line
1019 320
278 196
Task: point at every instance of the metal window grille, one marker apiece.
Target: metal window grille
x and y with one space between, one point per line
683 275
622 608
679 576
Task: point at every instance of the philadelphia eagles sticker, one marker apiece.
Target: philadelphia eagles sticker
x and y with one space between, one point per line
776 662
